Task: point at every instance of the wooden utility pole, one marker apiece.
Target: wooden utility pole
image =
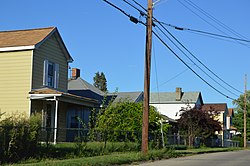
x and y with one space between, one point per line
147 79
245 114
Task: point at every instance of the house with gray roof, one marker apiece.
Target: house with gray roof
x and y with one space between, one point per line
128 96
80 87
170 103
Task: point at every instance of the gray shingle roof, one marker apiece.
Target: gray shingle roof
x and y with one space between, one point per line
80 84
130 96
170 97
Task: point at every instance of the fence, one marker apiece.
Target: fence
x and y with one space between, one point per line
156 138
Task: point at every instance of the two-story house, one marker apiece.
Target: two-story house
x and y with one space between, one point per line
223 113
34 78
170 103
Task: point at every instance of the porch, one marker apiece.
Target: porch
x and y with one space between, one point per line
61 110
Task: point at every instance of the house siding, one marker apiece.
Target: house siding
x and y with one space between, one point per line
171 110
15 84
62 122
51 51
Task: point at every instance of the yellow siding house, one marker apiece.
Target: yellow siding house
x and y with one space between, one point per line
34 77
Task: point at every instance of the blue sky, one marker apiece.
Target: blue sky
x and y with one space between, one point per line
100 38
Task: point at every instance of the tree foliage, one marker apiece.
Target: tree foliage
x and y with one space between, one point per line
198 123
127 116
100 81
238 120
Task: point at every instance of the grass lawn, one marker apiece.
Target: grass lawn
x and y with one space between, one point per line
127 157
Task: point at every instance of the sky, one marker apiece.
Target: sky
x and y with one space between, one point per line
102 39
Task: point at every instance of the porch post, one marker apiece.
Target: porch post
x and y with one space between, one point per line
55 129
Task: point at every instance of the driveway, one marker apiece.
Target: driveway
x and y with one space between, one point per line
235 158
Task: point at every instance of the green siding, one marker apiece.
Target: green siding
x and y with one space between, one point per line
51 51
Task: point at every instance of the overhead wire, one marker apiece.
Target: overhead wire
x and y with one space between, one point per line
215 19
191 68
209 22
204 32
164 43
156 73
194 62
198 59
172 78
160 23
188 29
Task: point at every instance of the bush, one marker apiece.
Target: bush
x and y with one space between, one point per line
177 147
240 139
18 137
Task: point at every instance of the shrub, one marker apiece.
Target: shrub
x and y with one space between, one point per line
18 137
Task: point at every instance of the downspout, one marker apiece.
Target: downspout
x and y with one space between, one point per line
55 129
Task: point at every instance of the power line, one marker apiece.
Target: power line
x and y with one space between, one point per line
198 59
188 29
193 61
191 68
133 19
172 78
156 74
215 20
160 23
209 22
172 52
204 32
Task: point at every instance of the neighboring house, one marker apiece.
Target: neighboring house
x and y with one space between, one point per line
79 86
223 113
170 103
128 96
233 130
34 78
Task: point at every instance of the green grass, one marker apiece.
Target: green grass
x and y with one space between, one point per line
112 159
94 153
126 157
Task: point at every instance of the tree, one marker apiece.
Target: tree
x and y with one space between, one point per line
100 81
238 120
198 123
127 117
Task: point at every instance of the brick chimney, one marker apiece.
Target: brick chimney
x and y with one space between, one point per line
75 73
178 94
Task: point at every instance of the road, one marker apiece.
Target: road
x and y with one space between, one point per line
235 158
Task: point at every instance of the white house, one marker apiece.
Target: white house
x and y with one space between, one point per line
170 103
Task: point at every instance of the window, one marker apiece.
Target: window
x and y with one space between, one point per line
51 74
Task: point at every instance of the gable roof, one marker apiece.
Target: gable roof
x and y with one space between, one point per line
29 39
129 96
220 107
170 97
81 84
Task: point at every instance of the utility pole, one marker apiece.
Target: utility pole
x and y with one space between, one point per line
145 123
245 114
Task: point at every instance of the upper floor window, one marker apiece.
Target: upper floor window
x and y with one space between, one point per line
51 74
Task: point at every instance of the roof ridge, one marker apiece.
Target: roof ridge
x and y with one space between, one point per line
83 82
18 30
86 82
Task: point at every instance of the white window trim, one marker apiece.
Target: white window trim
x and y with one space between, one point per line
45 74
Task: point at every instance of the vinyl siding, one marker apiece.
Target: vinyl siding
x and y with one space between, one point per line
49 50
15 84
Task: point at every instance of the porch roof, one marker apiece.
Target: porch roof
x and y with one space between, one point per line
51 94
